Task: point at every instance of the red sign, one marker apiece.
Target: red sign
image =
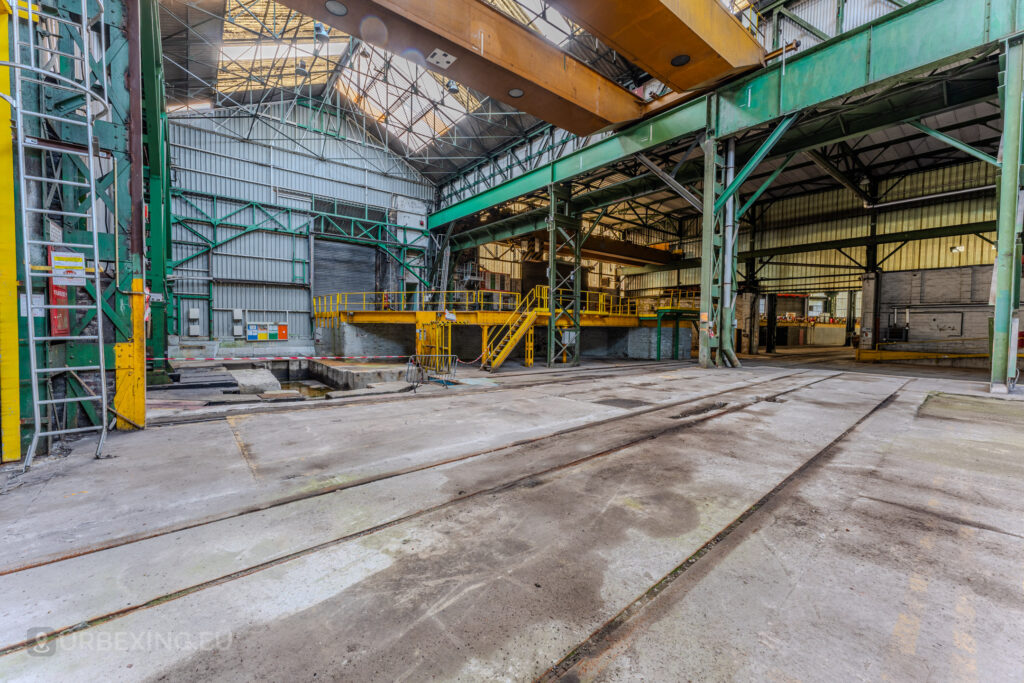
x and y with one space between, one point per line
60 318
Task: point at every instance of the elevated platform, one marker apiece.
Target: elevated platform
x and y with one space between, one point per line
490 307
507 320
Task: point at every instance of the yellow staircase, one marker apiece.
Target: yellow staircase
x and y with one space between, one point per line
504 339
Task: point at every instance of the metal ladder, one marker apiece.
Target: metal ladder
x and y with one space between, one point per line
58 95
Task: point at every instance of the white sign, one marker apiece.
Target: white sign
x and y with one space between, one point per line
68 268
37 300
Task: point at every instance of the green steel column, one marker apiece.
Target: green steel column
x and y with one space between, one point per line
158 242
1007 267
552 274
708 330
564 230
728 261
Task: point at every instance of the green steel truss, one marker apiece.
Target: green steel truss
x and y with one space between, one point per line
923 36
565 234
202 215
899 68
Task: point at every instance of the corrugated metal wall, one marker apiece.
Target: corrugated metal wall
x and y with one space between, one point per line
254 194
793 222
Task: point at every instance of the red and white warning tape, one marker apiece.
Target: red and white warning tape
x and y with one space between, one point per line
281 358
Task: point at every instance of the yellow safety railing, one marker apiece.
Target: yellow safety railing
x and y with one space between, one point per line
591 303
328 307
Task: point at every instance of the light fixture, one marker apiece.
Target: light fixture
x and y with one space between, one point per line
336 8
452 86
957 249
515 92
301 69
680 60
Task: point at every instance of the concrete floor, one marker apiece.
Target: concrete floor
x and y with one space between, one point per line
621 521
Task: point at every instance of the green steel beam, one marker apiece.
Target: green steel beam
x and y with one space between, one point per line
953 142
880 53
975 85
487 234
846 243
652 132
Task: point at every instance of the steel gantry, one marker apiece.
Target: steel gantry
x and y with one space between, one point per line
926 57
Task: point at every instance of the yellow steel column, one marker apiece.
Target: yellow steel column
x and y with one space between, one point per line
484 351
10 399
130 392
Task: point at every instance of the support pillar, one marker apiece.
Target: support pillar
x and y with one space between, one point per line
1007 270
158 242
565 235
10 398
718 255
711 247
771 328
851 323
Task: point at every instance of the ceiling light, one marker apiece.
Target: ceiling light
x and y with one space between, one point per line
515 92
958 249
680 60
336 8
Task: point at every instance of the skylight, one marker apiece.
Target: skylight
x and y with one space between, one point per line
413 104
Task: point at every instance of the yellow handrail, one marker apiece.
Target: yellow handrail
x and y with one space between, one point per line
327 308
500 332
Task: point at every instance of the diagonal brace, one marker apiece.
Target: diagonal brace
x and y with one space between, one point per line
674 184
953 142
767 183
759 155
828 167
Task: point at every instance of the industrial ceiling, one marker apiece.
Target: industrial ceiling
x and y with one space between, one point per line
243 53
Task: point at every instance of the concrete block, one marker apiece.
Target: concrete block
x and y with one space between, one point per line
255 381
282 395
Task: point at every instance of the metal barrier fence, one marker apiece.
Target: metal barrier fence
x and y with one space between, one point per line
422 368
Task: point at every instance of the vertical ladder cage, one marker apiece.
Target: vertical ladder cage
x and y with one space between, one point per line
59 91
